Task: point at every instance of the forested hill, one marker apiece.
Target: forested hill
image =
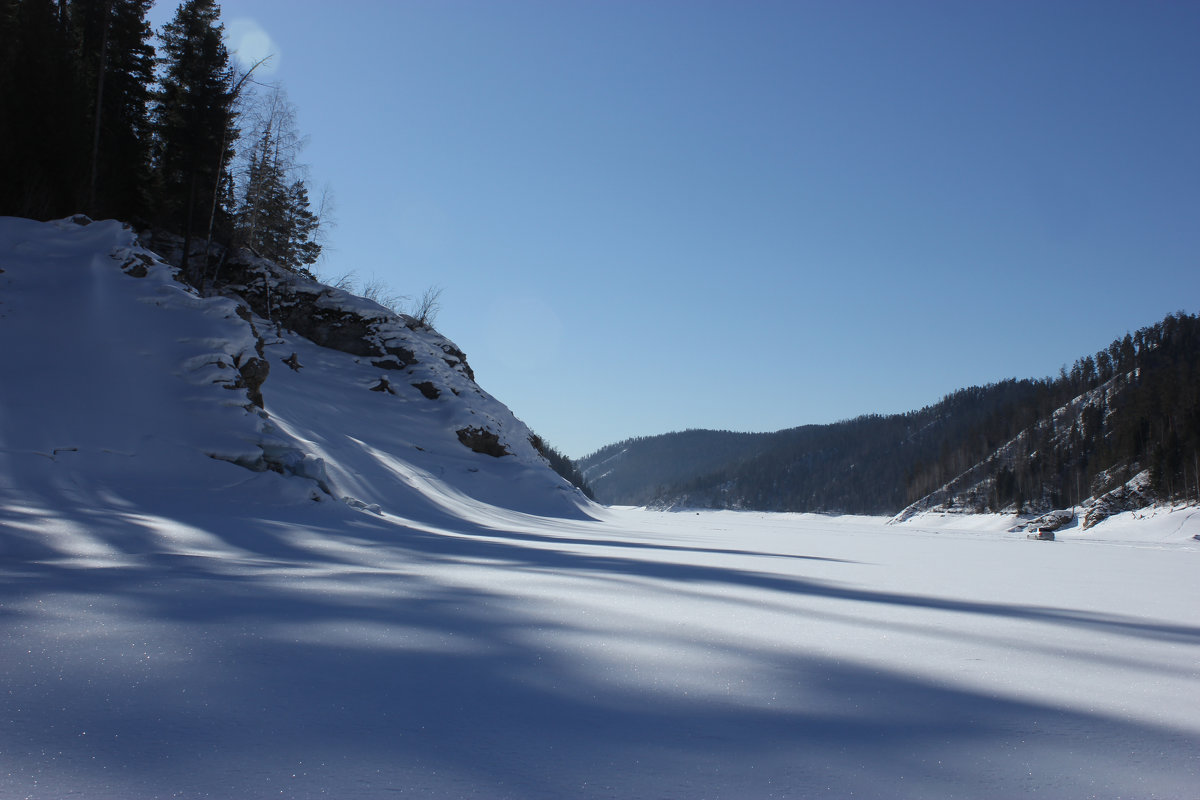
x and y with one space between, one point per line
101 115
639 471
860 464
1131 411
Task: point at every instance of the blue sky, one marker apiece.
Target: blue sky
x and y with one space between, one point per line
651 216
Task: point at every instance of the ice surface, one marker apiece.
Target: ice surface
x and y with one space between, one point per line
177 626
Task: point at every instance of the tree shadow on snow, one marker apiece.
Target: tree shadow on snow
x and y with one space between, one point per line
265 662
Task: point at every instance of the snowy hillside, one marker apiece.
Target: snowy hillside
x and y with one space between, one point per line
124 386
333 595
1120 431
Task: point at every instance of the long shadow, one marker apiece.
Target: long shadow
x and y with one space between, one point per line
525 536
493 544
236 699
253 534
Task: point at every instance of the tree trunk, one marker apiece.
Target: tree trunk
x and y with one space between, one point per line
103 68
187 229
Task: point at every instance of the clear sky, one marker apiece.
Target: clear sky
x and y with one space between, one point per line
750 215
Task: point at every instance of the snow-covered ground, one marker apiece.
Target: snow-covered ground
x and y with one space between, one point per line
172 625
641 655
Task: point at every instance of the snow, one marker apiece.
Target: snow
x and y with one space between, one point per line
463 626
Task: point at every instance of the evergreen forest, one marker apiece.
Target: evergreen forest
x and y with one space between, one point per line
100 115
1026 446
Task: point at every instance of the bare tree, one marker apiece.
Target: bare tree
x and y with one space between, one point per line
345 281
425 310
236 85
272 152
378 290
326 218
273 213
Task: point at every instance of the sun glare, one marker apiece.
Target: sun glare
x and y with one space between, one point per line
250 44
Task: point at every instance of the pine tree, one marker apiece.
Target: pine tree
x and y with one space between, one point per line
261 198
193 123
8 59
116 63
41 127
302 228
274 217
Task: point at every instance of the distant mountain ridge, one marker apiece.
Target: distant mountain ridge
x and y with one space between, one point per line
1130 413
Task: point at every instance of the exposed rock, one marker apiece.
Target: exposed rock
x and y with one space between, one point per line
1130 496
293 301
329 317
137 264
483 441
332 328
253 372
428 389
1046 523
244 313
397 358
402 353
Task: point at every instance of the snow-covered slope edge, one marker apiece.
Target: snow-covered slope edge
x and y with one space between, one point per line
1125 487
123 387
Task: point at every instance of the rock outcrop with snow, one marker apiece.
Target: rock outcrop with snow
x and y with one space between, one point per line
270 383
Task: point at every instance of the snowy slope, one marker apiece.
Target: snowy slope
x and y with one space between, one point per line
175 625
127 389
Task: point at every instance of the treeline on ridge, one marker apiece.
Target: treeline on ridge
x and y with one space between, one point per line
96 117
1022 445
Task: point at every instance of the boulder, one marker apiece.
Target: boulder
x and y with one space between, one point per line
481 440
